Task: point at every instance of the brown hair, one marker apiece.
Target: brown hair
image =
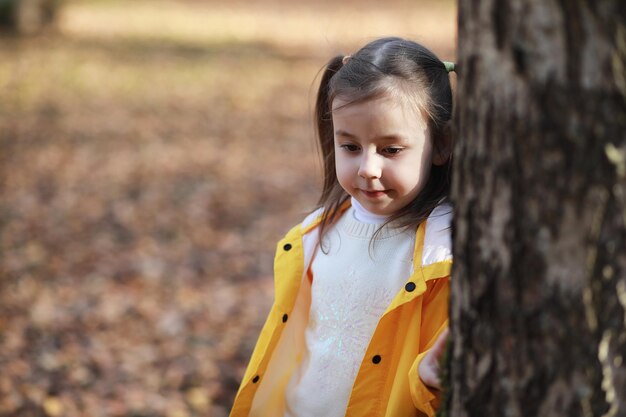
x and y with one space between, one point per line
386 66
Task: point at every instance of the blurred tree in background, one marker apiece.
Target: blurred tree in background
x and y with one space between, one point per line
28 16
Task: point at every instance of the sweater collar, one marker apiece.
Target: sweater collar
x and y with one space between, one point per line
365 216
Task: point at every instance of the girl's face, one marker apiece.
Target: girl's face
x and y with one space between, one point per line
383 152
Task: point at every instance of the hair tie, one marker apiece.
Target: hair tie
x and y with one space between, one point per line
345 59
450 66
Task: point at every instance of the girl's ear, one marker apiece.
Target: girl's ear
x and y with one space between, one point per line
442 151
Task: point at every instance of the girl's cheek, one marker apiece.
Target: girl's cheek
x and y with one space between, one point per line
343 164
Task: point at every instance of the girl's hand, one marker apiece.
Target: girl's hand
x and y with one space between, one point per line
429 368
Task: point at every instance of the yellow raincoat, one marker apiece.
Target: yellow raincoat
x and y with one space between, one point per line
387 383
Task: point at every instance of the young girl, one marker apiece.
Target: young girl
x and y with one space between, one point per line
362 283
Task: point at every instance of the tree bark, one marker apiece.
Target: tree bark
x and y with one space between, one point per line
538 305
27 17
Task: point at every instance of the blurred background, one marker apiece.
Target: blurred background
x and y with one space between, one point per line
151 155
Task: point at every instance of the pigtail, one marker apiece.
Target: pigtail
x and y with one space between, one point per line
324 125
333 196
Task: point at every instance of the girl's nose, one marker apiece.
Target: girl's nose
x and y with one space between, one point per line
370 167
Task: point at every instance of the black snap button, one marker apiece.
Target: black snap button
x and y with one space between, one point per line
376 359
287 246
255 379
410 286
285 317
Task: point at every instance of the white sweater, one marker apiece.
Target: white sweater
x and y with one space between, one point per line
353 283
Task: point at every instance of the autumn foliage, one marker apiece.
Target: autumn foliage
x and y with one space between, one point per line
150 157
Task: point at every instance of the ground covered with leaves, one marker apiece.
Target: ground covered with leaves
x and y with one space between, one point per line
151 154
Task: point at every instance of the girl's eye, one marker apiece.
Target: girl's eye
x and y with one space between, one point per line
392 151
350 148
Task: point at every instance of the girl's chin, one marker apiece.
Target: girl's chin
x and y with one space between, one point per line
379 209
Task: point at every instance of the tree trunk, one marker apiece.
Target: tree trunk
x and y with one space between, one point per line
28 17
538 307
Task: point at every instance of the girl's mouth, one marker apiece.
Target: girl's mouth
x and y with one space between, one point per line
374 193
